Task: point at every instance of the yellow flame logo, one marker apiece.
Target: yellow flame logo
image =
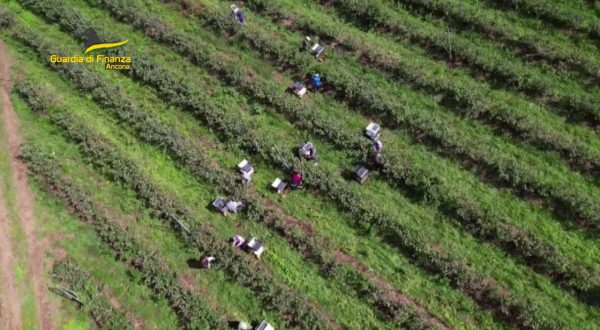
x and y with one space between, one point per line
105 46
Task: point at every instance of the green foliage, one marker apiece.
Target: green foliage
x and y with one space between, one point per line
29 91
471 15
94 301
192 311
501 68
559 12
482 288
117 167
257 109
455 137
421 176
438 261
480 218
6 17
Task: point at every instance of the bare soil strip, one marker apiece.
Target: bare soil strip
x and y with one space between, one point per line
25 199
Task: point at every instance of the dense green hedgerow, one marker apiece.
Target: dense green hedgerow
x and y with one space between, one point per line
192 311
438 261
6 17
94 302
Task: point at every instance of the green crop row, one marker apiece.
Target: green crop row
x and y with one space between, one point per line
192 311
469 208
321 180
461 140
274 154
6 17
518 34
94 303
558 12
509 236
434 259
507 169
413 66
111 98
292 305
515 116
499 67
335 189
469 205
397 276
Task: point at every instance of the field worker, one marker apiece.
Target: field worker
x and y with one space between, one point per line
377 145
378 159
296 180
234 206
306 43
316 81
246 177
240 16
206 262
312 154
237 13
238 241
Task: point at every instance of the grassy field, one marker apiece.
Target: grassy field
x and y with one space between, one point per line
484 214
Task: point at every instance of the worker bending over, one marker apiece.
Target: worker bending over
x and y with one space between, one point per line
238 14
296 180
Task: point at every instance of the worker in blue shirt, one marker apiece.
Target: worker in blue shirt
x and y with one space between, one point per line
237 13
240 16
316 81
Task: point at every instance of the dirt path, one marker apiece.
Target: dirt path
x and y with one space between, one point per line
24 198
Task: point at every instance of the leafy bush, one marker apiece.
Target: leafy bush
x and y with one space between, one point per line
438 261
94 301
193 313
7 18
117 167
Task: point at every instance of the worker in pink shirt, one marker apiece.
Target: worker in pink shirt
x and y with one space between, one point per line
296 180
